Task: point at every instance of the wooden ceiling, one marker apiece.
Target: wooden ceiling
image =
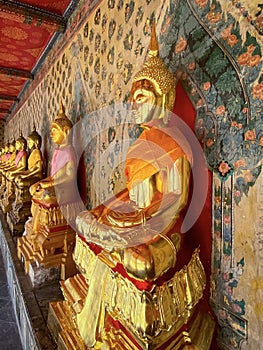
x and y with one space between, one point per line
28 28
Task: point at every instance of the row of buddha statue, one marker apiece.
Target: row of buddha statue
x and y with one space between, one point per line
18 171
132 288
29 201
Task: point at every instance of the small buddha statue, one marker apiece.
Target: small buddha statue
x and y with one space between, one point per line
4 158
48 235
20 212
60 187
7 152
20 164
20 159
10 156
134 277
2 155
34 171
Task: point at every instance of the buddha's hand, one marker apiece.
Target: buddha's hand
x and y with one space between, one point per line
95 232
18 178
152 259
34 188
138 262
10 176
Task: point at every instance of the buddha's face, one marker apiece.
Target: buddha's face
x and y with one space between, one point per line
18 145
57 134
30 143
143 101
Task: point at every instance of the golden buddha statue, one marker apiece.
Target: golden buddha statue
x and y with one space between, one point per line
4 161
137 295
49 239
2 155
9 165
11 172
10 156
23 178
20 159
34 171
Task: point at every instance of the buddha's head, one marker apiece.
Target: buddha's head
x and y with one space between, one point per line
34 140
153 86
12 146
20 143
61 127
7 147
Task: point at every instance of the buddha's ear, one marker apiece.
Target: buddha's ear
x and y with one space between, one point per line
160 110
67 130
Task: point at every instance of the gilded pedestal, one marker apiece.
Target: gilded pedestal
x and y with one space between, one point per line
8 197
20 212
159 315
48 247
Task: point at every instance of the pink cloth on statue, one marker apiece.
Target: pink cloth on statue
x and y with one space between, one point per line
61 157
7 156
19 155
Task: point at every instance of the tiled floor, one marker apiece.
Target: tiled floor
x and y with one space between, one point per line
9 336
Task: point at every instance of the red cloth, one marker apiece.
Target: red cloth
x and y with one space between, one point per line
7 156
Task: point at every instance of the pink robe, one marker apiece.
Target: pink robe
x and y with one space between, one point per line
19 156
61 157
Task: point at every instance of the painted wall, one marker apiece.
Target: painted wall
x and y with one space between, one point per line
215 49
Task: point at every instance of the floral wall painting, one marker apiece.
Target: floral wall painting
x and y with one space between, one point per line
226 269
222 72
214 47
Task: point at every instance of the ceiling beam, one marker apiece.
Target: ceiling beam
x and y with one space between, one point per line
9 98
4 110
16 72
32 14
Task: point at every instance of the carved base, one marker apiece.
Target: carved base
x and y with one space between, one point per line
17 218
6 203
8 197
167 317
52 248
39 275
61 323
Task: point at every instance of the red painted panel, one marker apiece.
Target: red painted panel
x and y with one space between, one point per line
200 234
21 44
5 104
11 85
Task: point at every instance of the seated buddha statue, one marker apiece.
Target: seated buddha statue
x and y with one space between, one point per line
2 155
10 156
23 178
60 186
5 155
34 171
20 159
128 247
48 237
10 173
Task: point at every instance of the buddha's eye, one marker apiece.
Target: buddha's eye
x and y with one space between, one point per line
139 97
